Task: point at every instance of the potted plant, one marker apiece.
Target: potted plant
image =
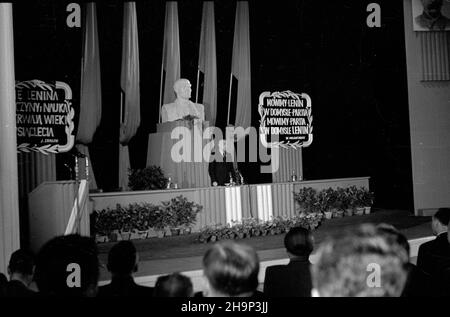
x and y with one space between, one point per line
367 200
160 221
323 202
359 210
348 201
149 178
306 199
340 202
181 214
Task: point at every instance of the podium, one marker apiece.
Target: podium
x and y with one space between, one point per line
177 147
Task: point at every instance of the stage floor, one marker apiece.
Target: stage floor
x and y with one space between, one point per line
184 253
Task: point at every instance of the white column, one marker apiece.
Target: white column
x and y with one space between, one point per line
9 198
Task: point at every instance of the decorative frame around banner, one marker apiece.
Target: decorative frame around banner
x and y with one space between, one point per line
286 95
43 147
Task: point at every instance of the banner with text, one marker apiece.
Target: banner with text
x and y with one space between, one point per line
44 117
287 116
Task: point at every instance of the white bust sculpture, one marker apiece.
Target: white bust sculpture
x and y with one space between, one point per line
182 106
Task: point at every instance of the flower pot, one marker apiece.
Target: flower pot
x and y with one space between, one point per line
151 233
143 234
113 237
328 214
125 235
367 210
339 214
160 233
360 211
349 212
175 231
100 239
135 236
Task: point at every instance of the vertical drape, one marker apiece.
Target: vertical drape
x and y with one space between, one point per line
9 198
90 95
170 70
129 83
240 65
207 62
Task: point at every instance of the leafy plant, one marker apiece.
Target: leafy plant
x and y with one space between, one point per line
306 199
367 197
176 213
252 227
149 178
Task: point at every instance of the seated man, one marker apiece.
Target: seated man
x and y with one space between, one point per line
359 263
174 285
231 270
182 106
294 279
21 271
439 248
122 263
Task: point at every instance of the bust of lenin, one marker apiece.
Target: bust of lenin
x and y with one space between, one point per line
182 106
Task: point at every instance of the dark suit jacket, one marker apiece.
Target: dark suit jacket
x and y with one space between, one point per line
434 255
17 289
124 286
291 280
418 283
220 171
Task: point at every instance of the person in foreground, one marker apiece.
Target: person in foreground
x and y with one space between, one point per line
173 285
359 263
231 270
418 283
21 271
293 279
434 256
122 263
68 266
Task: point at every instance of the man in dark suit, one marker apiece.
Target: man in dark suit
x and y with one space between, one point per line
122 263
221 167
293 279
437 249
21 270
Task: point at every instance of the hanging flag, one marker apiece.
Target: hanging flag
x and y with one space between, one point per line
90 94
170 68
130 116
207 69
240 85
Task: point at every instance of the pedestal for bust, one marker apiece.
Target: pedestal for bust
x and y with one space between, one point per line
180 140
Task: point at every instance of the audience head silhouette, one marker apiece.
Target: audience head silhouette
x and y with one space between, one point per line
359 263
231 269
298 242
68 266
122 258
440 220
21 266
173 285
393 235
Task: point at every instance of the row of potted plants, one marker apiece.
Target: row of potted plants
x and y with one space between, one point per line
335 202
252 227
144 220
